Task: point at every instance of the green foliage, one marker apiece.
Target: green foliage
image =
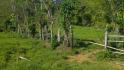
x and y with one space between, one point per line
114 13
54 42
5 11
10 24
88 19
73 11
68 12
33 30
105 55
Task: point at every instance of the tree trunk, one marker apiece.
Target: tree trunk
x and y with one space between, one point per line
42 30
18 28
27 29
58 36
66 39
45 29
71 36
51 32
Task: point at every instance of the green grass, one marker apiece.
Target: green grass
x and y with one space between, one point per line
12 46
88 33
85 33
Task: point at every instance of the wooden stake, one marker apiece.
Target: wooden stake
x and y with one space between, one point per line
106 38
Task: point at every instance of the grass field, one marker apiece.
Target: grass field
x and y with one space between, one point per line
12 46
88 33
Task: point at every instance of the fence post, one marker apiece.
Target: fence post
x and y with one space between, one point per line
106 37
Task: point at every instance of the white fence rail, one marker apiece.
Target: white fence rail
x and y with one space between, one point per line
116 36
113 36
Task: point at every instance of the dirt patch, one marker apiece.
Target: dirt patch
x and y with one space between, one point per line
83 57
78 58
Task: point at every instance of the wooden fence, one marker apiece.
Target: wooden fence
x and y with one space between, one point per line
112 41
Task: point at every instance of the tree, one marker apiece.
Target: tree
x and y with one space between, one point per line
69 10
114 12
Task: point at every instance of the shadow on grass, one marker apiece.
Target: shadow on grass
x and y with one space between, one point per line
79 43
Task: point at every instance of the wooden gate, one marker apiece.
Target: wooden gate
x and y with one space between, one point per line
113 41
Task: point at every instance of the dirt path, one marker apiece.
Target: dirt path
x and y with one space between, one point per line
83 57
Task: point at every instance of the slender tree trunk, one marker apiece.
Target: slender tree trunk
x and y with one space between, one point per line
40 31
18 28
66 39
18 25
41 26
52 32
58 36
27 28
71 36
43 34
26 21
46 32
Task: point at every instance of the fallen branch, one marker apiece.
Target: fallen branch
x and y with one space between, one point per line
23 58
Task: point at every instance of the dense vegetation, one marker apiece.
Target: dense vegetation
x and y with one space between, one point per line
52 33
